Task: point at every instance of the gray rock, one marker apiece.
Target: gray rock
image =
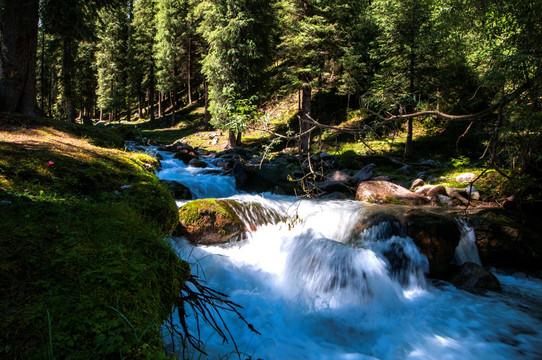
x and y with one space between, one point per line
474 278
472 192
443 199
365 174
416 184
178 190
423 190
465 177
405 170
339 176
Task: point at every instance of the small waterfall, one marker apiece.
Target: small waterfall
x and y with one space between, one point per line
466 250
318 284
330 274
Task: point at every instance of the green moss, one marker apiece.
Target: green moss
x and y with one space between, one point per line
392 200
91 275
190 213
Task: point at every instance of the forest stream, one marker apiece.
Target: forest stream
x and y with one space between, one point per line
316 289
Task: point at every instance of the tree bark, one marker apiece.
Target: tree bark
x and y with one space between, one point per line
173 100
68 60
232 139
18 45
151 96
207 114
305 124
189 72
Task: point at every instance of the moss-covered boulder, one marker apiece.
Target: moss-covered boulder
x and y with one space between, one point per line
209 221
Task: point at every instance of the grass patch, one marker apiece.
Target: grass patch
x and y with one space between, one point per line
82 239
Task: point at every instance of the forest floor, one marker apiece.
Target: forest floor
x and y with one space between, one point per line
456 150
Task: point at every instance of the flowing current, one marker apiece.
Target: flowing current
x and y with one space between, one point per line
316 287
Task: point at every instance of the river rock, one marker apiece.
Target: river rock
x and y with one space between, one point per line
331 186
423 190
195 162
508 239
365 174
383 192
405 170
261 179
437 190
178 190
465 177
418 183
472 192
208 222
436 236
475 278
185 156
339 176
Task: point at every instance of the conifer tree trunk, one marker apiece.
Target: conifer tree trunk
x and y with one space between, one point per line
69 48
232 139
159 104
189 72
18 44
173 100
207 114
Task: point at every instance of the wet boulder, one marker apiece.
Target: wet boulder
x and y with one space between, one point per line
436 236
209 222
185 156
508 239
385 192
178 190
264 178
475 278
365 174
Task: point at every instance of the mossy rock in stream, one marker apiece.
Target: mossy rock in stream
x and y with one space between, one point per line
210 221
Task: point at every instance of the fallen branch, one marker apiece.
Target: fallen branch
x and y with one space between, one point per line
207 305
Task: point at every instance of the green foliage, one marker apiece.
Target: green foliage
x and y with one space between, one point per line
460 162
238 34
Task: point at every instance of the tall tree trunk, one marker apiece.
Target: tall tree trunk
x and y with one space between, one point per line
410 108
189 71
173 101
304 126
232 139
207 114
159 104
151 96
68 61
18 44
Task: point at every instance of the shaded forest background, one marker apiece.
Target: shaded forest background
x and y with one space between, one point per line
380 62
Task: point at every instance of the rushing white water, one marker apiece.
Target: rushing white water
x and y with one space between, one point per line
317 288
466 250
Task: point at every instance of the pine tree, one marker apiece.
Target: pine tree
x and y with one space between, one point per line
143 67
238 34
112 61
309 45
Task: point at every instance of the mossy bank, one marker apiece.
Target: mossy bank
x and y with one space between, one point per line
86 272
